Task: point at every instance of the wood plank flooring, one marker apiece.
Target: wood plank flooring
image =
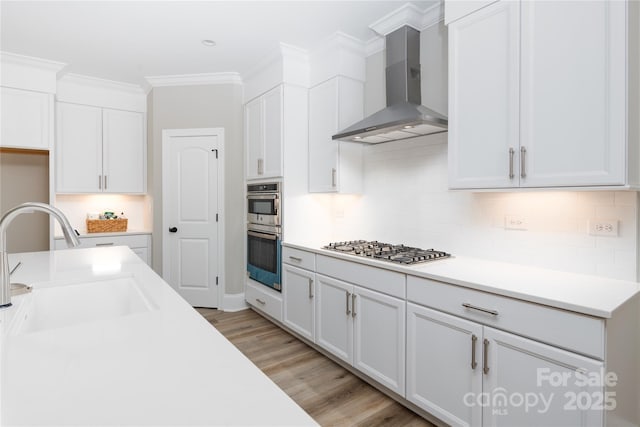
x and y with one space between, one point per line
328 392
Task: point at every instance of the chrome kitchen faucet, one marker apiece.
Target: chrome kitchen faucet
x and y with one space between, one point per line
29 207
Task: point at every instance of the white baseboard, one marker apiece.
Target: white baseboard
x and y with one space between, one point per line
233 302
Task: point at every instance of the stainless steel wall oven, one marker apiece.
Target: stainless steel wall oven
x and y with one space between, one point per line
264 234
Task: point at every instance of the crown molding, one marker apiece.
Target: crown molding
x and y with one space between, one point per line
340 40
281 53
194 79
374 45
30 61
411 15
96 82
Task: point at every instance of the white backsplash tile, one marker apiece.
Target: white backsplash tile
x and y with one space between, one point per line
406 200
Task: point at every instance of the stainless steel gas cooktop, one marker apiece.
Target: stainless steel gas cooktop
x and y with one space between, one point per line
399 254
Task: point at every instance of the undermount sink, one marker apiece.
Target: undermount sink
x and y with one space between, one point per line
73 304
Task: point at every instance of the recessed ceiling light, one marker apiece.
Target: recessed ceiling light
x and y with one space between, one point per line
357 137
209 43
408 127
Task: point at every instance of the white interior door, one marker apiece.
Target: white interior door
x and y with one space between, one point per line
191 174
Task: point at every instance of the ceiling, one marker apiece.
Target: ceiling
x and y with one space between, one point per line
128 40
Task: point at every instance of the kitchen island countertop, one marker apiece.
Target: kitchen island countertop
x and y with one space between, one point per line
162 366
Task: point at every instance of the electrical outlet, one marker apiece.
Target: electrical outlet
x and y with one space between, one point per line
603 227
515 222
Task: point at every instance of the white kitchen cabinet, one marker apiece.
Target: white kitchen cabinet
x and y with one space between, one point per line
538 95
27 119
298 293
444 364
140 244
452 363
363 328
334 166
264 135
99 150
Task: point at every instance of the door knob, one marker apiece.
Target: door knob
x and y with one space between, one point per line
173 229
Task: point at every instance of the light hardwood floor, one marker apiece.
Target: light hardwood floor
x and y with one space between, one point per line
328 392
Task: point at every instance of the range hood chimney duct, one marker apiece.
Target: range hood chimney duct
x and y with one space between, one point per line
404 117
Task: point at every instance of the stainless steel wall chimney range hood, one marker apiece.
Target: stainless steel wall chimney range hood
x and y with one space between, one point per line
404 117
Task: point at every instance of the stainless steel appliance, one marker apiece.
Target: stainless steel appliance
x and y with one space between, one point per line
264 234
399 254
263 204
405 116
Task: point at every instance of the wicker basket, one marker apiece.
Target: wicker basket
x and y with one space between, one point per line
106 225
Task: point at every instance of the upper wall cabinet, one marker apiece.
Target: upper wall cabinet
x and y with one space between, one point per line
99 150
538 95
27 119
334 166
263 135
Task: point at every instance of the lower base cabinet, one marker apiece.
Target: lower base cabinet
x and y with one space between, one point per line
299 305
468 375
363 328
140 244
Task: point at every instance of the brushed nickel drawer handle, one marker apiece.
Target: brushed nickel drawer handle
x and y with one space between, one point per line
473 352
348 311
260 301
310 288
511 154
104 244
485 362
353 305
333 177
484 310
523 154
295 258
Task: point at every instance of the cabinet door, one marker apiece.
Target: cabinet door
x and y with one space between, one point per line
272 152
253 136
484 97
533 384
323 124
573 93
123 149
444 365
379 337
334 325
26 119
299 304
78 149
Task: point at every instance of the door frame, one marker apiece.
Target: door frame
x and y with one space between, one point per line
167 134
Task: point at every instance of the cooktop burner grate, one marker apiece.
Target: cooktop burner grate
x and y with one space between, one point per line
399 254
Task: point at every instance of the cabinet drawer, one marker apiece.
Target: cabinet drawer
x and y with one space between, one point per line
264 299
569 330
302 259
377 279
133 241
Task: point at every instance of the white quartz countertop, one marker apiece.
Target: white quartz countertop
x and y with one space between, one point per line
590 295
162 366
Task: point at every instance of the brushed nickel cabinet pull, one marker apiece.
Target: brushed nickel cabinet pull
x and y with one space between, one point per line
523 154
484 310
310 288
485 361
104 244
260 301
473 352
348 311
260 166
105 182
333 177
99 182
353 305
512 152
295 258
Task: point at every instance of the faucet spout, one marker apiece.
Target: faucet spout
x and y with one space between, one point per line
29 207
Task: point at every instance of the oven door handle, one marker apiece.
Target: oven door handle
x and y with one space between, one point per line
263 196
262 235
